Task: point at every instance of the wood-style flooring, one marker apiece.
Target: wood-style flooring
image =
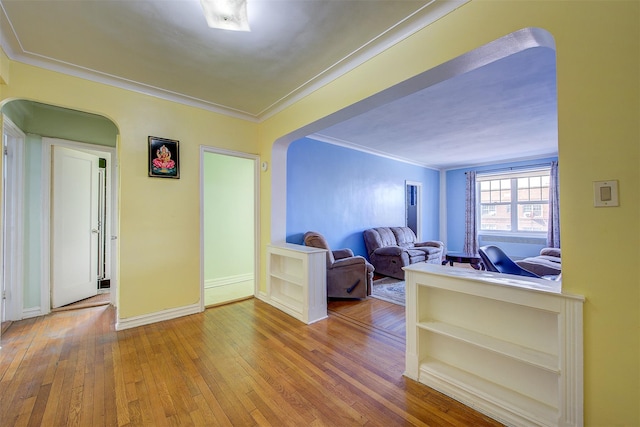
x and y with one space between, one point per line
103 298
242 364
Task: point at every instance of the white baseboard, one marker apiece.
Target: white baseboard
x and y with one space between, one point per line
30 312
229 280
159 316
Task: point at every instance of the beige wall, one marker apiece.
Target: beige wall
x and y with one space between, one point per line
159 236
598 106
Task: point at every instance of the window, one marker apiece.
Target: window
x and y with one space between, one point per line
514 202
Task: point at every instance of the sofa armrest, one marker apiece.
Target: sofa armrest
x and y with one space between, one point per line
389 251
342 253
540 266
550 252
346 262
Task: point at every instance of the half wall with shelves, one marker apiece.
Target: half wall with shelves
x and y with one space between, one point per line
507 346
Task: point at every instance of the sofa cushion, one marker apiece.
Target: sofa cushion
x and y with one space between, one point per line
415 253
387 238
430 250
389 251
549 258
404 236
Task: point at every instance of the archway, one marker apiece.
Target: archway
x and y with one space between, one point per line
499 49
46 126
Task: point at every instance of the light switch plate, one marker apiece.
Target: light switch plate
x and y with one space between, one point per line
605 193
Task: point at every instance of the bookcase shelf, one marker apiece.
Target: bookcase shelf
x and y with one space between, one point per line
509 347
532 356
474 387
296 281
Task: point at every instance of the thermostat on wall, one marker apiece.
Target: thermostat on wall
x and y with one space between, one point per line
605 193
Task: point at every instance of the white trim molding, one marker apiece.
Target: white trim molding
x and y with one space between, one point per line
229 280
13 219
158 316
30 312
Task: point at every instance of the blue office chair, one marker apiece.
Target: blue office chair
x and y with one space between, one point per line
494 259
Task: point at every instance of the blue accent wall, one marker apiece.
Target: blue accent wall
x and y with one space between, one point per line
455 196
340 192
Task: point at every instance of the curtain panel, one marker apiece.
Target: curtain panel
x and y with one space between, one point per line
470 217
553 231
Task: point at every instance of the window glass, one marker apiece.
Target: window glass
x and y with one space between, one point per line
514 202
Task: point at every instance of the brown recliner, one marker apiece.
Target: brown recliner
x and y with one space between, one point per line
348 276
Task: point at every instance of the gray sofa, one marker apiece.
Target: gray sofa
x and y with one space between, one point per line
548 263
391 248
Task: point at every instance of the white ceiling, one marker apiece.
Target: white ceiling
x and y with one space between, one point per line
502 111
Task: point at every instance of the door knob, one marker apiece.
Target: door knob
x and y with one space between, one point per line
94 231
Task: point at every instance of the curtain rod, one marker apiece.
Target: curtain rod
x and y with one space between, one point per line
514 168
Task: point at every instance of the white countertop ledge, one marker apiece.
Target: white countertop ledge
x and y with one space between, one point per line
529 283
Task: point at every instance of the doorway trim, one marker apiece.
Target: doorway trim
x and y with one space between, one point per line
256 214
13 221
112 217
418 185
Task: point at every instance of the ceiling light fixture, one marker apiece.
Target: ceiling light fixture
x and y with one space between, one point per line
226 14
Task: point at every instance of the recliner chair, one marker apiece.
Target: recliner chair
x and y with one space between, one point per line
348 276
494 259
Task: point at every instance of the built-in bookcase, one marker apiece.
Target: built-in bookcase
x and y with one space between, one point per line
297 281
510 347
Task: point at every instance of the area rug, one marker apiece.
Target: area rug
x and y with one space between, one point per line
389 289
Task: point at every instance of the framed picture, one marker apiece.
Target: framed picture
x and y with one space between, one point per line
164 158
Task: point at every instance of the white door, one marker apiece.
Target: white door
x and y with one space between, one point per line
74 226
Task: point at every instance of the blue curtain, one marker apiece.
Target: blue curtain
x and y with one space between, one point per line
470 218
553 231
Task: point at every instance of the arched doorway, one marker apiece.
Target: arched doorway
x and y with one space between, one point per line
47 127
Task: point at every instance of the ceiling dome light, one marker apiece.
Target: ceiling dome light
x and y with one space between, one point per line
226 14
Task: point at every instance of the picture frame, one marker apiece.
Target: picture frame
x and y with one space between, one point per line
164 158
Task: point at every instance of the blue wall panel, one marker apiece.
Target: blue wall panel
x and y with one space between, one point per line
341 192
455 196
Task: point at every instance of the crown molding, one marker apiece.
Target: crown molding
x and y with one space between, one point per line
421 18
426 15
346 144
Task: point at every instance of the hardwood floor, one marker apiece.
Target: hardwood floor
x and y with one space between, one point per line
241 364
372 314
102 298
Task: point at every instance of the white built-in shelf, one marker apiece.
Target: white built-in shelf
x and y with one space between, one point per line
532 356
472 390
297 281
508 346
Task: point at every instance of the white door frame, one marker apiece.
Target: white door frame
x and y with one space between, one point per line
13 221
418 186
111 225
256 215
